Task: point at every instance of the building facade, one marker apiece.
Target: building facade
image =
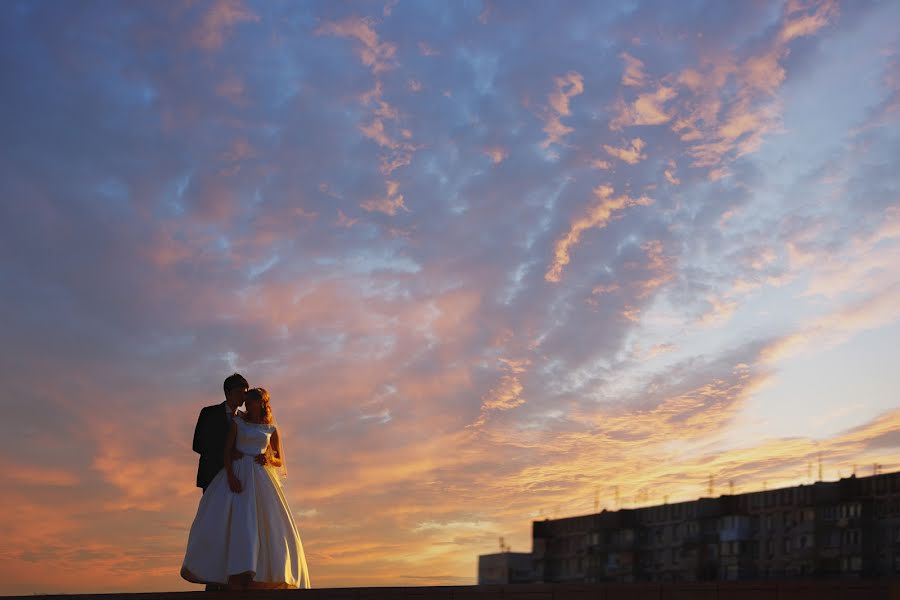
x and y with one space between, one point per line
504 568
843 529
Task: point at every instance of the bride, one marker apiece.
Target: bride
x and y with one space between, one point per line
244 534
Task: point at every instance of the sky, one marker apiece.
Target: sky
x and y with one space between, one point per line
495 262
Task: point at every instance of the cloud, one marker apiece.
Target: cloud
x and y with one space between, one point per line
634 71
379 56
507 394
719 131
670 174
630 153
835 328
567 86
597 216
388 205
217 23
497 154
647 109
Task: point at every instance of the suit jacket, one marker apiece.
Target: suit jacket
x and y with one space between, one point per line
209 441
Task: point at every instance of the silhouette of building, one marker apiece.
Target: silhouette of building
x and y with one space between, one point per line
842 529
504 567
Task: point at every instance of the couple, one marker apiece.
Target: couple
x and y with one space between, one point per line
244 536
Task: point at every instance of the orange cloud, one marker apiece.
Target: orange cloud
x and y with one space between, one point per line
507 394
647 109
670 175
719 131
388 205
375 132
497 154
660 266
634 71
630 153
598 216
567 86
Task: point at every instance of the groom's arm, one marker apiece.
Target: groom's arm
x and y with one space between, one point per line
199 434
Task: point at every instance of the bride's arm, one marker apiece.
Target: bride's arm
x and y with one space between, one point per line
233 482
275 446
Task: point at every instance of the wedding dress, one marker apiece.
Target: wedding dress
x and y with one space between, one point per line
250 531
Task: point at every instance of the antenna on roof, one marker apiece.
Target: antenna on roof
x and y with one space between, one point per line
820 467
712 485
731 487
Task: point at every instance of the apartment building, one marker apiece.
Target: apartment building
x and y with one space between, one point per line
842 529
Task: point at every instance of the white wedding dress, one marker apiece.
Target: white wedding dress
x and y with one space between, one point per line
248 532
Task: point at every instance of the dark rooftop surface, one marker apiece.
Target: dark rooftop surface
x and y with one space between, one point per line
769 590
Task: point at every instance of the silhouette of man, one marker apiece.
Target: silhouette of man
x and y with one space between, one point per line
212 429
210 433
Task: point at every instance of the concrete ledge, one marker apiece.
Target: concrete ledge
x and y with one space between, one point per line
768 590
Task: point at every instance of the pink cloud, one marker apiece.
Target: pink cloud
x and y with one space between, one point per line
375 131
426 50
375 54
218 21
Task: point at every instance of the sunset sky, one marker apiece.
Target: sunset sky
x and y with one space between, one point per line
495 261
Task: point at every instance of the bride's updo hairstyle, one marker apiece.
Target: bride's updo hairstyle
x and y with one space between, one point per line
261 395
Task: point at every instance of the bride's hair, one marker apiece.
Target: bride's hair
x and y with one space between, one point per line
262 395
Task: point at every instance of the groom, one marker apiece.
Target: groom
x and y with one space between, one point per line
212 430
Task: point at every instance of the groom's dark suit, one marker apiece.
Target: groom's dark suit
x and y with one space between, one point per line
209 441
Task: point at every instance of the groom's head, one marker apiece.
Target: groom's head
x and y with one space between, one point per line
235 387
